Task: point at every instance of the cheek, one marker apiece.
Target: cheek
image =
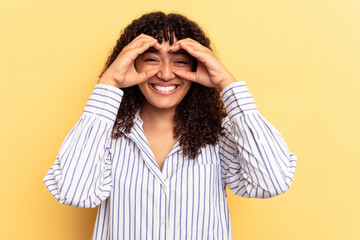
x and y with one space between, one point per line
187 86
184 67
142 86
141 65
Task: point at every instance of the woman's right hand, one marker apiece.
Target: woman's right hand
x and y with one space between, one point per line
122 73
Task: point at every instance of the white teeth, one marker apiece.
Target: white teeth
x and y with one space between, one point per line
164 89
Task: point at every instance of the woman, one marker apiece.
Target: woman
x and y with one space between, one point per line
165 130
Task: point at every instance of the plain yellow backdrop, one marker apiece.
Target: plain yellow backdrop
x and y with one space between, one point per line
300 59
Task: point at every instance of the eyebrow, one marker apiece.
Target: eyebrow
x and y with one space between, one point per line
179 52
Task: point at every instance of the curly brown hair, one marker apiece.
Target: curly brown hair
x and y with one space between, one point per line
198 118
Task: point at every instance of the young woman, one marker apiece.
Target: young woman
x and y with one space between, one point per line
165 130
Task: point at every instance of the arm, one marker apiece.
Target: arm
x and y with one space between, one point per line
254 157
81 174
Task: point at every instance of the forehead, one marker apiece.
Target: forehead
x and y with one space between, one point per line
164 51
167 34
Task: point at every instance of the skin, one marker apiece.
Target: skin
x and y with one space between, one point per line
158 98
150 65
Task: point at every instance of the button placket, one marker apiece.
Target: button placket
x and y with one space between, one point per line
163 219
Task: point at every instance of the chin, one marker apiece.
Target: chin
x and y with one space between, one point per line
163 106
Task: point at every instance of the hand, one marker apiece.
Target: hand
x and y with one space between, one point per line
210 72
122 73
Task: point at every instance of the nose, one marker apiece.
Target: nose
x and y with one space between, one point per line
166 72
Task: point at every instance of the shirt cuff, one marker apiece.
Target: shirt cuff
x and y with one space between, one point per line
104 102
237 99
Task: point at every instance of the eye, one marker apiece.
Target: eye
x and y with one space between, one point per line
150 60
182 62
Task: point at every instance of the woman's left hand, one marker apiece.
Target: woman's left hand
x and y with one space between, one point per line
210 71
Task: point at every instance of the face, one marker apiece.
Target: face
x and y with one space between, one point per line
165 90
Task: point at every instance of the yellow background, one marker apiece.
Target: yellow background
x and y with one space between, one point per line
300 59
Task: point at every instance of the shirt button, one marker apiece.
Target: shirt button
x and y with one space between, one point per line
163 221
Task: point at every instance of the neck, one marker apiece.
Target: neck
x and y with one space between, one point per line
157 117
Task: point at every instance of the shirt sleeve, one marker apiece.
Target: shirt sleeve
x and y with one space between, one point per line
255 161
81 174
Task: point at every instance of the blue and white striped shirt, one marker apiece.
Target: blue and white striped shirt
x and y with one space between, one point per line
187 198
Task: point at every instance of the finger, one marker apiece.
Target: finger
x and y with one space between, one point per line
191 76
136 51
144 76
157 45
181 46
198 52
138 41
174 48
201 76
143 46
143 38
148 39
187 41
144 41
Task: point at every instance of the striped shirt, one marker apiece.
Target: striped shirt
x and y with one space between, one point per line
187 198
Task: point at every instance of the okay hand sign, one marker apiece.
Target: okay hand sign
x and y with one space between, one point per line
210 71
122 73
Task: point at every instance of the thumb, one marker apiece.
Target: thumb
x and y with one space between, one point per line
191 76
143 76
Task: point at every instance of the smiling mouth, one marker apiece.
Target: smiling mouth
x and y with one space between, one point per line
165 89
